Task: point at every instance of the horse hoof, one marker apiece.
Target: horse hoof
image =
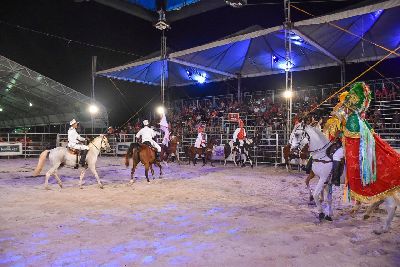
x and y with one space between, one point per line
328 218
80 187
321 216
61 186
101 186
47 187
379 232
366 217
311 198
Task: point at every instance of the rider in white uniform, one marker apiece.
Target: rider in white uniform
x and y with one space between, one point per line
147 134
201 140
74 141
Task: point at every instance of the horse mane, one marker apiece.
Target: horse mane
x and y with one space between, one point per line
321 136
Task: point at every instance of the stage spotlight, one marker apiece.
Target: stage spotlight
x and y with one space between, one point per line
1 109
275 59
93 109
160 110
200 78
287 94
30 104
236 3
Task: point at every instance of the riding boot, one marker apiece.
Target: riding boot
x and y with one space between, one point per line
83 158
336 173
158 156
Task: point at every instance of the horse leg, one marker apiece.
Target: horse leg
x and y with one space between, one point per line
250 160
146 171
308 179
152 170
317 193
133 178
159 165
371 208
329 198
58 178
83 171
234 158
48 174
391 205
93 170
356 207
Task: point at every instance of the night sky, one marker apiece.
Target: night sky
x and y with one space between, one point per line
91 22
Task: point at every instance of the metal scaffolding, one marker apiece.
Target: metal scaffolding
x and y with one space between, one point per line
288 58
31 99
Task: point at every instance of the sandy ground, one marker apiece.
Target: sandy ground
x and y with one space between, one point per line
193 216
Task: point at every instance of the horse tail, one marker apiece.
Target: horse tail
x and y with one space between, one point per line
42 161
129 153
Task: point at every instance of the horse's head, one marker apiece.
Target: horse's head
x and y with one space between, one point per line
249 142
298 137
104 143
175 139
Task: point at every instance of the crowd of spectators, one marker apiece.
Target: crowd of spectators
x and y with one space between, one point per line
261 111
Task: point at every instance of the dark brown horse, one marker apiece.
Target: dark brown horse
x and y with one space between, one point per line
171 150
206 152
146 155
289 154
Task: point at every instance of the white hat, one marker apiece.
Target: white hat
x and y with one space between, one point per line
145 122
73 122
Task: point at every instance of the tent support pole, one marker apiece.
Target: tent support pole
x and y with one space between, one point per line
342 74
239 93
288 57
94 59
163 61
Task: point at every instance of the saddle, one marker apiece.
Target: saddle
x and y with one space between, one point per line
73 151
76 152
147 143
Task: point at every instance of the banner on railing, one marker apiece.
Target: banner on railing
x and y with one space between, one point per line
234 117
10 149
122 147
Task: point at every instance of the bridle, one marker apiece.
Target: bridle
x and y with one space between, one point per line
101 143
304 135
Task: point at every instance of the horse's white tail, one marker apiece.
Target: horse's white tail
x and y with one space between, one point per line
42 161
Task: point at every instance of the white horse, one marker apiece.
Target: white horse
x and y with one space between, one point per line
322 165
60 156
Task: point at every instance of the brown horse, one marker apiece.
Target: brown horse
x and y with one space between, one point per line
289 154
206 152
171 150
146 155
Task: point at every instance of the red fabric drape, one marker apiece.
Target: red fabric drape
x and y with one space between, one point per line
387 169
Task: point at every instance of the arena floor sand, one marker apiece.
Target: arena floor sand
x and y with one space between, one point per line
193 216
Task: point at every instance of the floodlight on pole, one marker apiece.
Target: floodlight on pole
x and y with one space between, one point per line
160 110
93 109
287 94
30 104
